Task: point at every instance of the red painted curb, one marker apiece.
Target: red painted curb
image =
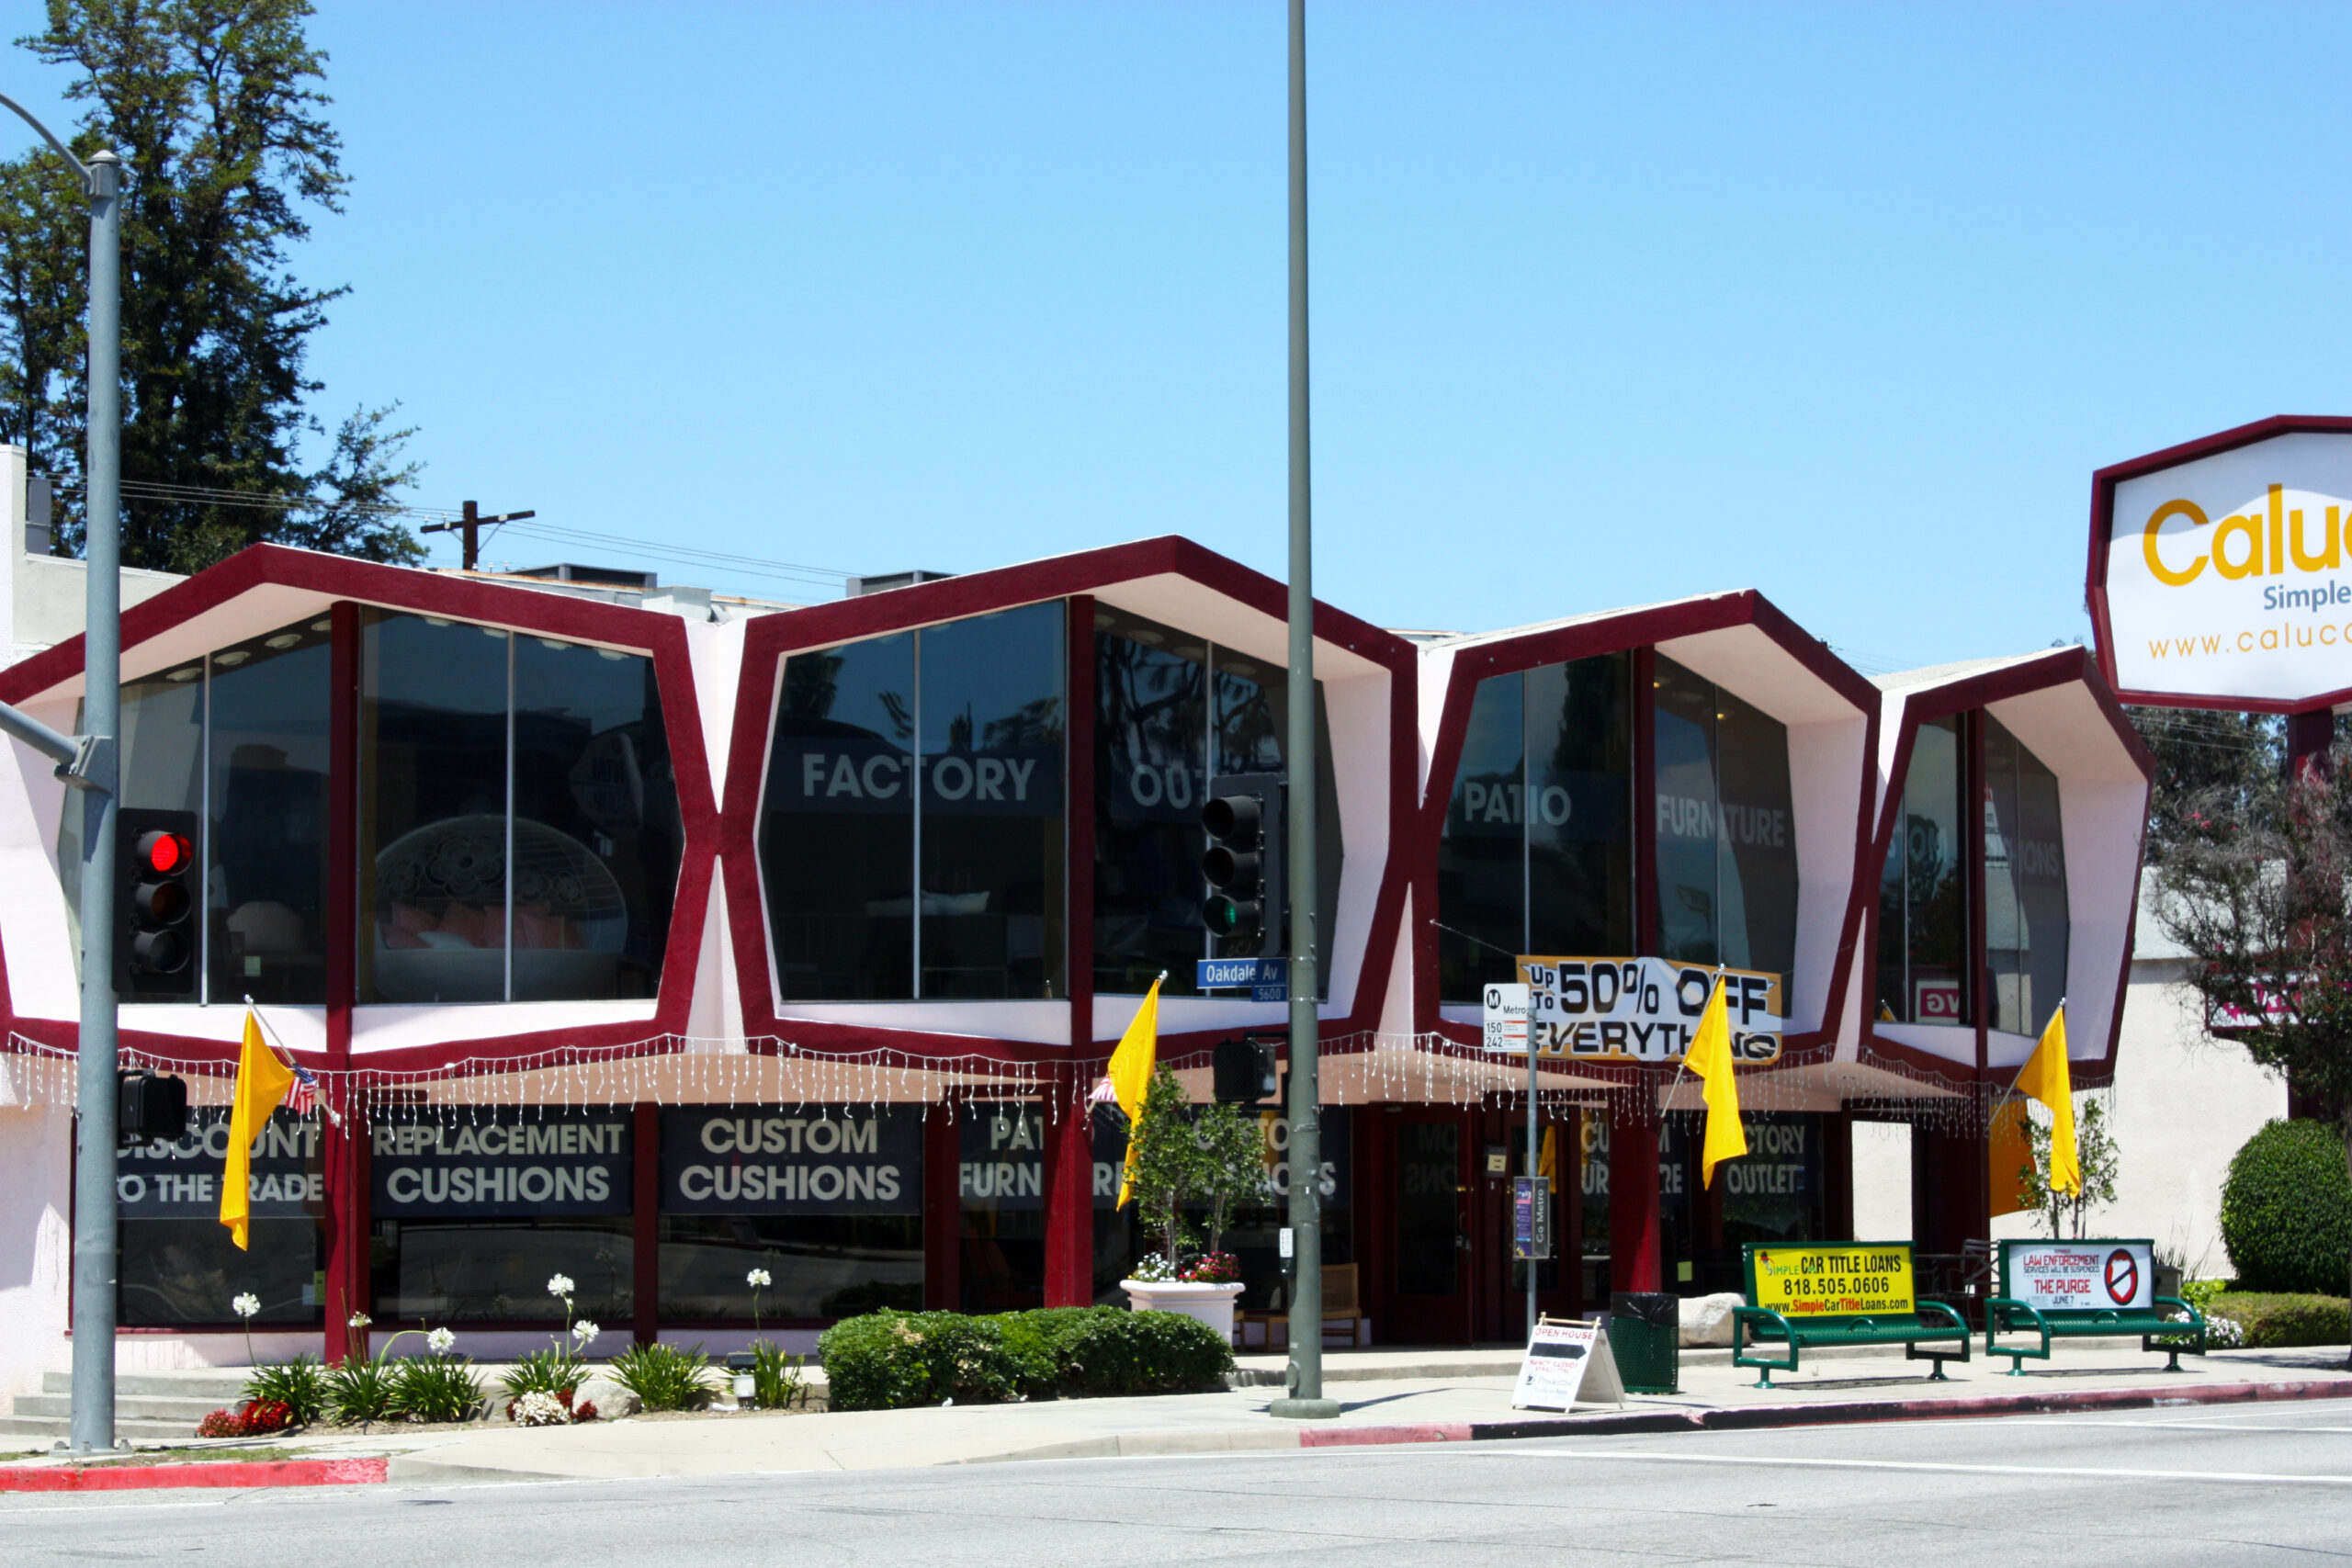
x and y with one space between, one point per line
225 1472
1341 1436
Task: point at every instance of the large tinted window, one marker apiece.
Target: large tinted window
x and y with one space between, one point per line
232 747
518 822
266 858
2025 884
597 836
1537 852
911 840
1923 911
1174 715
1726 835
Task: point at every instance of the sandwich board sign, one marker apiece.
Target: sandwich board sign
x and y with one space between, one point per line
1566 1361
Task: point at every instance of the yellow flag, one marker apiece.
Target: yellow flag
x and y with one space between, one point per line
2046 1076
1547 1158
1710 1063
262 1083
1131 1067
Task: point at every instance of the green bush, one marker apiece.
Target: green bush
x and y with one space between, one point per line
2287 1209
2276 1321
364 1388
892 1360
664 1377
436 1388
554 1372
299 1384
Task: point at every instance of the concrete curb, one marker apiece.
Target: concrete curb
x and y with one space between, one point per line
224 1473
413 1468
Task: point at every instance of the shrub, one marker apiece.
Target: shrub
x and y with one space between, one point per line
436 1388
2287 1210
299 1384
2275 1321
892 1360
664 1377
363 1389
551 1373
775 1377
252 1419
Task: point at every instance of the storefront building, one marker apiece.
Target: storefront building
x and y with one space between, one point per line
648 944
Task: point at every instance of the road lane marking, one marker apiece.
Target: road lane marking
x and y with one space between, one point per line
1623 1455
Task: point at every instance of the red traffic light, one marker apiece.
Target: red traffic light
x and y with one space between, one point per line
166 854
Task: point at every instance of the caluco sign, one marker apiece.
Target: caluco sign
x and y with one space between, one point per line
2221 570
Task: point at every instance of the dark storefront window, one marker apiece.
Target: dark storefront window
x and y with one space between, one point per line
1923 906
974 711
1001 1224
1428 1204
2025 884
1726 835
827 1198
178 1266
1773 1193
1537 852
481 751
232 750
1174 715
477 1207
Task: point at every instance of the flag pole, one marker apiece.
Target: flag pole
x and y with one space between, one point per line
284 1051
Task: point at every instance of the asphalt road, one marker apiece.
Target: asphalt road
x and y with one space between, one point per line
2249 1486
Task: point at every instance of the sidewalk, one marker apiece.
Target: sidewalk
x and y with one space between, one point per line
1387 1397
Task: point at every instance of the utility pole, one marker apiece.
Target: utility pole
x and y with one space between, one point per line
87 764
1305 1401
469 526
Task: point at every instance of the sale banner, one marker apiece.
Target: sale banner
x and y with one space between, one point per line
1833 1281
2080 1276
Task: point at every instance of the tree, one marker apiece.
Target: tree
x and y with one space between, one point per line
2255 880
2096 1156
1167 1161
214 106
1233 1165
2204 758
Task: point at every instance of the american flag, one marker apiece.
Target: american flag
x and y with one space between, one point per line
303 1098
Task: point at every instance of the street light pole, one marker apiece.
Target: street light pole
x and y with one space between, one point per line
1305 1399
91 768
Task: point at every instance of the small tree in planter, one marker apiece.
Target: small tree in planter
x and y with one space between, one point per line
1232 1154
1165 1165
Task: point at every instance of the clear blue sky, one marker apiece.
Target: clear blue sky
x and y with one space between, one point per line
1611 305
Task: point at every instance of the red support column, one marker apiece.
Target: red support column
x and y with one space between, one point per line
342 1147
2308 737
1070 1143
1634 1240
646 1254
943 1209
1069 1192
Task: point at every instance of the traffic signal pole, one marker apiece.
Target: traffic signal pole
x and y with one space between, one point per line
87 763
1305 1399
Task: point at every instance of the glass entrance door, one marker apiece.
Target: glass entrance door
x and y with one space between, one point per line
1431 1176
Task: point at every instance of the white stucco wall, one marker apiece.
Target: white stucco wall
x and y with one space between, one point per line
35 1246
1881 1181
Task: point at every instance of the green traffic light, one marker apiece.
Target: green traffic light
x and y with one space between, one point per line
1222 915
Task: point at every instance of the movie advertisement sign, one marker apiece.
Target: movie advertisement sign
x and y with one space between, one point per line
2080 1276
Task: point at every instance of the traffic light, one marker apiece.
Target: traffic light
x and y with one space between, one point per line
1245 1071
152 1109
155 927
1243 864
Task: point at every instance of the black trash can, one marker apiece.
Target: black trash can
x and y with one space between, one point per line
1645 1337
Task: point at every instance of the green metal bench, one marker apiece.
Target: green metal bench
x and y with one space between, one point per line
1817 1296
2073 1290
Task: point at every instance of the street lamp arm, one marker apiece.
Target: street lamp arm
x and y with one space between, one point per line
89 182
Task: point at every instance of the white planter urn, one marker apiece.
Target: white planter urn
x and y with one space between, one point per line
1212 1304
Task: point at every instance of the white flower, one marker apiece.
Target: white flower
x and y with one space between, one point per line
536 1409
559 1285
440 1339
246 1304
758 1279
585 1333
361 1320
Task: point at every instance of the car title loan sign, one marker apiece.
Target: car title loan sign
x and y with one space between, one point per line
2223 570
1833 1281
1645 1009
